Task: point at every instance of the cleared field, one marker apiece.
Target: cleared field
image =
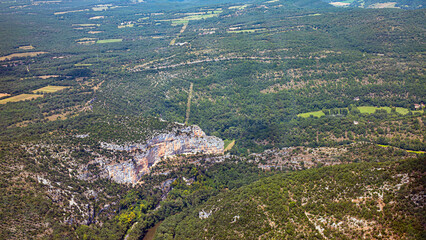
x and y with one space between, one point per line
308 114
83 64
60 13
245 31
86 25
29 47
195 17
110 40
50 89
17 55
363 109
85 39
2 95
241 7
228 144
96 17
48 76
126 26
370 109
21 97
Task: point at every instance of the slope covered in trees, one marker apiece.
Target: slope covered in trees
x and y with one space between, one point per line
369 200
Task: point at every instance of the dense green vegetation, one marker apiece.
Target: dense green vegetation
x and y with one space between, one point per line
378 200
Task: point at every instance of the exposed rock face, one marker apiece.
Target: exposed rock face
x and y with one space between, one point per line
186 140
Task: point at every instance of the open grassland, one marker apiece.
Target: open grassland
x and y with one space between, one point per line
21 97
308 114
50 89
19 55
110 40
28 47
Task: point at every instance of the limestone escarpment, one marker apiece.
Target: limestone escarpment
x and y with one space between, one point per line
181 141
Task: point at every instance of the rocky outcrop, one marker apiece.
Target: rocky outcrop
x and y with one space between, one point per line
181 141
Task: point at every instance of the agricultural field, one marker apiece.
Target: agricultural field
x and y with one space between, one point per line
21 55
116 40
50 89
21 97
314 114
195 17
400 110
28 47
363 109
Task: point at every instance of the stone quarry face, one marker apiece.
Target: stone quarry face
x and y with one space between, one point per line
181 141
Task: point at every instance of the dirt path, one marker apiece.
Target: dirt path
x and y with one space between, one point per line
180 32
188 104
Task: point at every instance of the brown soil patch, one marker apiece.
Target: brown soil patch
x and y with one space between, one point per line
16 55
48 76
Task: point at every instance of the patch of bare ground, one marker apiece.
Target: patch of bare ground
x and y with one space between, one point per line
4 95
20 55
96 88
48 76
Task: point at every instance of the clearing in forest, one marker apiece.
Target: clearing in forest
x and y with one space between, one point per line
410 151
181 31
228 144
2 95
17 55
241 7
86 25
371 109
28 47
21 97
50 89
308 114
195 16
188 104
110 40
362 109
245 30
